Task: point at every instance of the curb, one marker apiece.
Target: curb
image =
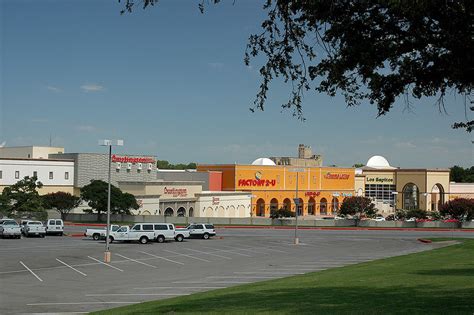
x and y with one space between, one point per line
425 241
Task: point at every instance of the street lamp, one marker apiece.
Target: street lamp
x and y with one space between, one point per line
394 198
297 201
109 143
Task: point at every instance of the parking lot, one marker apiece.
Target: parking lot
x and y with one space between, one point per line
66 274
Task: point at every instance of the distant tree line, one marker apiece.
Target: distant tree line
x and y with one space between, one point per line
165 165
462 175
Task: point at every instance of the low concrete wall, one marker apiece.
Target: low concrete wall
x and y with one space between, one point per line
468 225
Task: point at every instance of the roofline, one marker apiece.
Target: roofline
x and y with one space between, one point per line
31 159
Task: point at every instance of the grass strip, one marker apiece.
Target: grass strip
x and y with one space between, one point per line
439 281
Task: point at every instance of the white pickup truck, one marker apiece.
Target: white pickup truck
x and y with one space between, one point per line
9 227
98 234
30 227
145 232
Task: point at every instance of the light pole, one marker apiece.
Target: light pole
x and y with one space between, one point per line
297 202
394 202
109 144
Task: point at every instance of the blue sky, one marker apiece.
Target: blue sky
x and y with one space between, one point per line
171 82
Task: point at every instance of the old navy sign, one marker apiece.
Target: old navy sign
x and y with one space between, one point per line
126 159
336 176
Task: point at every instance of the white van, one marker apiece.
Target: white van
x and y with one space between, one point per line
55 226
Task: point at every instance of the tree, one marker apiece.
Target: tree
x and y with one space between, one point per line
358 165
95 194
23 200
165 165
461 209
357 207
281 213
374 51
462 175
62 202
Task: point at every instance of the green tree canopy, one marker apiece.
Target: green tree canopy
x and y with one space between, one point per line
462 175
358 206
374 51
165 165
95 194
23 200
62 202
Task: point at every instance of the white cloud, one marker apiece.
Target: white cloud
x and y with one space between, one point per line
54 89
92 87
86 128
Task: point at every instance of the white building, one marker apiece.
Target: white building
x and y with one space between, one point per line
223 204
55 175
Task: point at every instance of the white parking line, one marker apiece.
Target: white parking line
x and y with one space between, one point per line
176 253
62 262
245 249
227 251
174 288
34 274
137 261
79 303
103 263
207 253
138 294
265 247
170 260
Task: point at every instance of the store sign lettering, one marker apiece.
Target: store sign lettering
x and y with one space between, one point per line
256 182
176 192
379 180
127 159
336 176
312 193
215 200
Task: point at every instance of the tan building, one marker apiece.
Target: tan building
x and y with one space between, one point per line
461 190
393 188
305 158
29 152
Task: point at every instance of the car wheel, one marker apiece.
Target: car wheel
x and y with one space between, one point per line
61 234
205 236
42 235
179 238
111 239
95 237
143 240
160 239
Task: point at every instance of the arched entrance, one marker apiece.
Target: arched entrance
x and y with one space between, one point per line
437 197
311 206
411 197
169 212
274 204
209 212
323 206
221 212
260 207
300 206
181 212
287 204
241 212
335 205
231 212
191 212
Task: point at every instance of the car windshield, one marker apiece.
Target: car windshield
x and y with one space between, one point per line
9 223
122 229
35 223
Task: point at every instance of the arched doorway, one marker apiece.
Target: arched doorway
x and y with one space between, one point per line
260 207
273 204
181 212
231 212
287 204
323 206
146 212
411 197
221 212
311 206
191 212
169 212
209 212
300 206
437 197
335 205
241 212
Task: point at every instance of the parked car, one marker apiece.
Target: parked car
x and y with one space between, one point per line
378 218
145 232
167 231
10 228
410 220
30 227
203 230
98 234
55 226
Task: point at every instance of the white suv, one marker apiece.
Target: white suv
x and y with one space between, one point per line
55 226
204 230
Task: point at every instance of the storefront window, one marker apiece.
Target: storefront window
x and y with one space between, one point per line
410 197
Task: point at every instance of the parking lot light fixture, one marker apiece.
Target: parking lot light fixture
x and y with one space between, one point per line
297 202
109 143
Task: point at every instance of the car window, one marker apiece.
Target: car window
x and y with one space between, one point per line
9 222
171 227
34 223
59 222
122 229
198 226
147 227
115 228
136 227
51 222
160 227
209 226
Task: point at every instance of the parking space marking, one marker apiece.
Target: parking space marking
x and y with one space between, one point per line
227 251
208 253
34 274
214 282
62 262
103 263
137 261
170 260
244 249
181 254
174 288
266 247
78 303
138 294
243 277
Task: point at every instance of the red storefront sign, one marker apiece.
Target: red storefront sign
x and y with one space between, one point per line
336 176
312 193
176 192
256 182
126 159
